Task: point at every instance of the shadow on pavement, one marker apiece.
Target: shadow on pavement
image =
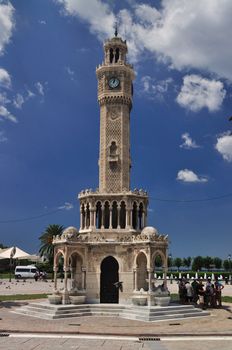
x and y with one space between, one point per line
12 304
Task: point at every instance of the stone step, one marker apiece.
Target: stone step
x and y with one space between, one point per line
160 312
163 317
154 313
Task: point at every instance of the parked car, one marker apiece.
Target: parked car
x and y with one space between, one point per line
26 271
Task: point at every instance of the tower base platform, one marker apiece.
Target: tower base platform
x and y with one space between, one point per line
47 311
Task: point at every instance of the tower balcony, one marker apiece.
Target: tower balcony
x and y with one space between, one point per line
111 213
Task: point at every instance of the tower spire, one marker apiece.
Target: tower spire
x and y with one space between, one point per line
116 29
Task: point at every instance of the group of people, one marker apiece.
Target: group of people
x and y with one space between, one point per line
206 295
40 275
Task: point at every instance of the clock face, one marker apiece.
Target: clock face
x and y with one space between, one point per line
114 82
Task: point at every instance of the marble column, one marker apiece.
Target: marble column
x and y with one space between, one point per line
103 218
65 292
135 279
83 278
118 212
55 269
149 279
81 218
110 227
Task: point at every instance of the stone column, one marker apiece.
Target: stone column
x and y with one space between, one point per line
110 227
91 224
94 218
72 278
65 292
149 279
127 223
143 219
103 218
81 218
118 211
55 269
135 279
131 218
83 278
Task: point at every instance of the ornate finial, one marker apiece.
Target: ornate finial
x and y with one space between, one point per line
116 29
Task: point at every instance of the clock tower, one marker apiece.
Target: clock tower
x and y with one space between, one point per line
114 208
111 257
115 89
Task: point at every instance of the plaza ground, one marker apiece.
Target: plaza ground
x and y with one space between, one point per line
219 322
40 287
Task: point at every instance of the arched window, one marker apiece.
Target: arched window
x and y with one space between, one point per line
123 215
111 55
83 216
114 215
98 215
107 215
117 55
87 216
134 216
113 148
141 216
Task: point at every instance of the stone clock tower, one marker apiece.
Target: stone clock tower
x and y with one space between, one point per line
115 89
113 244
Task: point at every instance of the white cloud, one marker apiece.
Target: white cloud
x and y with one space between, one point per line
4 113
18 101
147 14
30 94
6 24
66 206
5 80
3 138
224 146
70 72
198 92
188 143
40 88
187 175
155 89
42 21
182 33
95 12
4 99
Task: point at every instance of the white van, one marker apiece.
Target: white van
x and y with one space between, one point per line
26 271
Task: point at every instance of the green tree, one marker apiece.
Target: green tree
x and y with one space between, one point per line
217 262
177 262
198 263
46 248
158 261
170 261
187 261
207 262
227 264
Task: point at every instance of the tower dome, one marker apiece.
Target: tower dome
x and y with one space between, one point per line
70 232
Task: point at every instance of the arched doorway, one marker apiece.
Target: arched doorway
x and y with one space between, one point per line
109 276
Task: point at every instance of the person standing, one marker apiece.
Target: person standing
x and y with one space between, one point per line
195 286
218 292
189 292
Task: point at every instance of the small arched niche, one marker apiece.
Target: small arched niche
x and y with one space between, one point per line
76 263
142 274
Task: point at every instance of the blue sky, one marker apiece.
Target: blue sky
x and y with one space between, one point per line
180 134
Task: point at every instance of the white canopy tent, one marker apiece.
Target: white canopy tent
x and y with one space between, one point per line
13 253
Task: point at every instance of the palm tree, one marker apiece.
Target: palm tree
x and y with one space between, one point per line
46 239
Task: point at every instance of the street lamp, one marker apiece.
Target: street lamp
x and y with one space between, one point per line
230 267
